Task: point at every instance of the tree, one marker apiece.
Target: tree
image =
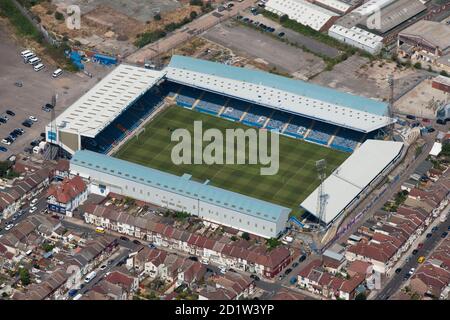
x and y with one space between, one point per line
196 2
4 167
418 65
245 236
157 16
24 276
59 16
284 18
193 15
444 73
361 296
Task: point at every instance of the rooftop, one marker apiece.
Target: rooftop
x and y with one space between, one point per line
91 113
351 177
176 184
277 92
438 34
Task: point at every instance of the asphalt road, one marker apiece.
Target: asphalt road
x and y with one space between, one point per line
429 244
110 264
40 205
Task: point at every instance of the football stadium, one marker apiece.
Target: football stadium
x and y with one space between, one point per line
131 113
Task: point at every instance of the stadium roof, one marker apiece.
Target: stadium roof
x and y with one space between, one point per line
180 185
352 177
301 11
91 113
276 92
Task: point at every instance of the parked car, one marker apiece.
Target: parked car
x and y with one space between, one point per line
414 252
32 209
429 235
398 270
295 264
9 112
103 267
193 258
302 258
287 271
124 238
281 34
27 123
34 143
3 149
254 277
444 234
137 242
33 118
6 141
421 259
420 245
9 227
3 120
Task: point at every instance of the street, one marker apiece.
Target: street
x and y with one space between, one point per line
429 244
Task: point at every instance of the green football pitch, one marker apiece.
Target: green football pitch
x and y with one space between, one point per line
295 180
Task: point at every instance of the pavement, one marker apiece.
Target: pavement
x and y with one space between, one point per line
185 33
244 40
37 90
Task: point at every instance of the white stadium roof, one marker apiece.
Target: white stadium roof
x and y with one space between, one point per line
352 177
301 11
276 92
91 113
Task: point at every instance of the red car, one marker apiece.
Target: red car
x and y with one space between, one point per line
420 245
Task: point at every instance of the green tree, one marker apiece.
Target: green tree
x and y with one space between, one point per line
245 236
24 276
4 167
157 16
284 18
418 65
193 15
361 296
59 16
444 73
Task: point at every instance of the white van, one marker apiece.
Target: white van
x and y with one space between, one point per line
34 61
36 149
90 276
57 73
28 56
23 53
38 67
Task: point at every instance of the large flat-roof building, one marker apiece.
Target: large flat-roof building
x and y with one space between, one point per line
107 174
370 162
304 12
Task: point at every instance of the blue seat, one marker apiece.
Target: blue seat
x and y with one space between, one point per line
321 132
256 116
234 109
211 103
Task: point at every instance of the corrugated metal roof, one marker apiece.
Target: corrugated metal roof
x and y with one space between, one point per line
273 91
91 113
176 184
349 179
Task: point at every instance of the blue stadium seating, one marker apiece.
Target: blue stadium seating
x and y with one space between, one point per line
234 109
187 96
125 123
321 132
347 140
211 103
297 127
277 121
169 88
257 116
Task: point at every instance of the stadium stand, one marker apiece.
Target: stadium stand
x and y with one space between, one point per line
256 116
234 109
297 127
125 123
211 103
321 133
186 96
277 121
347 140
169 89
